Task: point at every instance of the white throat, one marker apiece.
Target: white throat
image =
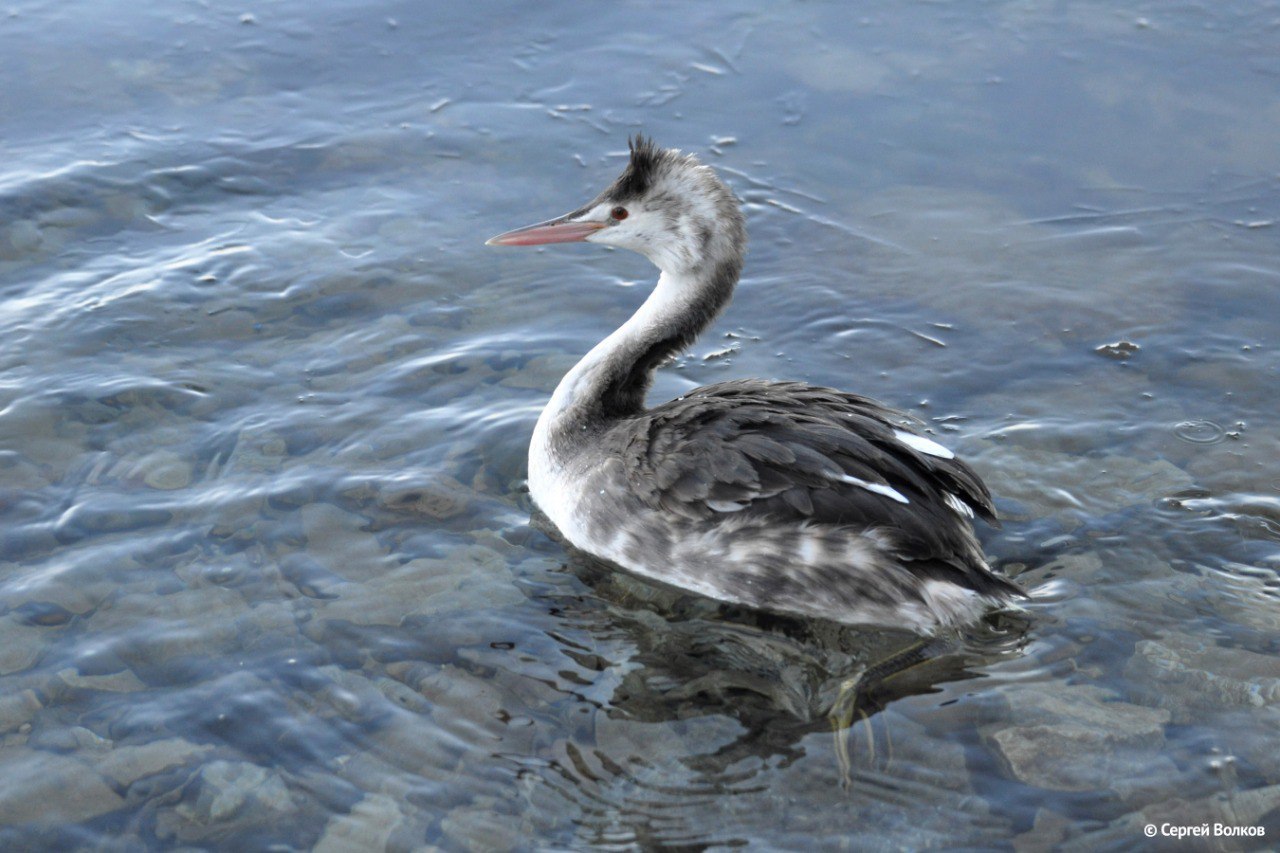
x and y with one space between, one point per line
552 444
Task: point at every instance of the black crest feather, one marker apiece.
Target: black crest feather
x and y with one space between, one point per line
646 157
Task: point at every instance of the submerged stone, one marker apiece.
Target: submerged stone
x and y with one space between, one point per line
477 828
1075 738
368 826
47 788
1192 674
18 708
338 540
442 498
152 629
76 739
227 787
257 450
125 765
52 598
471 578
21 645
116 682
18 473
166 470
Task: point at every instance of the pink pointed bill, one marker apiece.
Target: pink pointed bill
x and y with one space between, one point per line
552 231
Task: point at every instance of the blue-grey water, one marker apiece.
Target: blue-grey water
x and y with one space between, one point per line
268 577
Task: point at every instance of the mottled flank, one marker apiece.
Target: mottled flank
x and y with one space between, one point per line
847 572
777 495
803 499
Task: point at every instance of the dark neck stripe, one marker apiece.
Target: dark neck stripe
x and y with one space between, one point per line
627 378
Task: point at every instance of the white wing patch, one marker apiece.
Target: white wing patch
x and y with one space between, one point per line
958 505
878 488
924 445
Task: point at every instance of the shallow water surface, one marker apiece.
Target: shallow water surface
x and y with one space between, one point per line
268 574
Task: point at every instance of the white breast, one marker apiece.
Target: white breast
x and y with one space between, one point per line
555 492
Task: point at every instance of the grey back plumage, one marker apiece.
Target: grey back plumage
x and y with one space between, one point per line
795 453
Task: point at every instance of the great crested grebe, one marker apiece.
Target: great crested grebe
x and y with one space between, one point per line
780 496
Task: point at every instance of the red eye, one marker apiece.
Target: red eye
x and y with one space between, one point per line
618 213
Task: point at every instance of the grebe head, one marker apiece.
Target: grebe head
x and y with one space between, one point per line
665 205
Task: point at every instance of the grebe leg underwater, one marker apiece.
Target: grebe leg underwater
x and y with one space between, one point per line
780 496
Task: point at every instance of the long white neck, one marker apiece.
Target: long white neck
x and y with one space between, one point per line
610 382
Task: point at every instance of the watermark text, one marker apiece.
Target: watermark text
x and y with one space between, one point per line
1202 830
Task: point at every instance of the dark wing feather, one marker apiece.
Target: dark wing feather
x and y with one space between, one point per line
791 451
